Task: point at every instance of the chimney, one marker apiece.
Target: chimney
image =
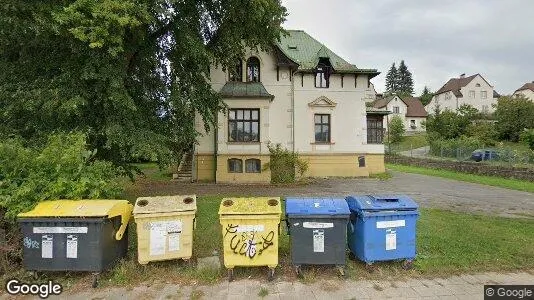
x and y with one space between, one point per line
462 75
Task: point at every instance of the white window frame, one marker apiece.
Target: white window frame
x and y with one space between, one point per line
472 94
484 94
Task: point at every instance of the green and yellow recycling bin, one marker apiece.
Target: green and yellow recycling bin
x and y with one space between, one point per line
250 230
165 227
75 235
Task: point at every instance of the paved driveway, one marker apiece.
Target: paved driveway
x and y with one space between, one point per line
427 190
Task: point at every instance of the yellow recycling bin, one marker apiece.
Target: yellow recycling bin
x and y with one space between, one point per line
250 229
165 227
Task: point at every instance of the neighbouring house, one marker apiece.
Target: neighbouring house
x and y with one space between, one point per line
409 108
527 91
301 95
473 90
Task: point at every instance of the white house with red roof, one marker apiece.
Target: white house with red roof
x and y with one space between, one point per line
527 91
473 90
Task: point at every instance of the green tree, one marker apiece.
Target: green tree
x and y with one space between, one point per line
513 115
391 80
396 130
426 96
527 137
449 124
130 74
404 79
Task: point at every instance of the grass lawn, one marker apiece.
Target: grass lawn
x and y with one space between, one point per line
411 142
447 243
514 184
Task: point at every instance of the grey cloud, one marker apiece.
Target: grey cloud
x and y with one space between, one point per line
437 39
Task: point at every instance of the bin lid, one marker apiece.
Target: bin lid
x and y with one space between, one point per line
250 206
381 202
316 206
165 204
80 208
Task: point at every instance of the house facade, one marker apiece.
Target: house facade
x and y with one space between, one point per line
300 95
527 91
473 90
409 109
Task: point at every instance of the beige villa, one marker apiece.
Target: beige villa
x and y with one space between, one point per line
300 95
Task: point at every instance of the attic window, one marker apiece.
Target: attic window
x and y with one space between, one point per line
477 85
322 73
292 47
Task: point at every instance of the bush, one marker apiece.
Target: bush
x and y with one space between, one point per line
284 164
460 148
396 130
527 137
513 115
484 131
62 169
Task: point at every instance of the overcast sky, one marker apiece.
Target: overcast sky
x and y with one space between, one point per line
438 39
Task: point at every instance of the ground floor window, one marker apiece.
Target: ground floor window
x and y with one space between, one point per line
375 129
252 165
322 128
235 165
412 124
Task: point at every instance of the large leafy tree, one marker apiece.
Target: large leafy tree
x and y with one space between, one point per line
131 74
513 115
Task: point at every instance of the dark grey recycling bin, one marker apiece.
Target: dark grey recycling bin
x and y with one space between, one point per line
68 235
318 229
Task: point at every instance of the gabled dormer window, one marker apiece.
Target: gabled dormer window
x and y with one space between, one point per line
322 73
253 69
236 73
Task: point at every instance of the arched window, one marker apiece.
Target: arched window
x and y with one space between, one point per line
235 165
253 69
236 73
253 165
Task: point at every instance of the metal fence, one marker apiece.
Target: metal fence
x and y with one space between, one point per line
496 155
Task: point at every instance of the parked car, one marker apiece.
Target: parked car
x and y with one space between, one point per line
485 154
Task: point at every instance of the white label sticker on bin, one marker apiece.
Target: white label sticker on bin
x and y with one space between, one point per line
41 230
250 228
174 226
158 237
174 242
390 224
318 240
391 240
47 246
317 225
72 246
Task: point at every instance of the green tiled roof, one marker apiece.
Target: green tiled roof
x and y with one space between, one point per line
306 51
237 89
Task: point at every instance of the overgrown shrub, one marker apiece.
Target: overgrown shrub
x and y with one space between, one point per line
513 115
284 164
484 131
527 137
460 148
63 169
396 130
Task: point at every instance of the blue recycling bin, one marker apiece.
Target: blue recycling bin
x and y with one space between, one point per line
382 228
317 229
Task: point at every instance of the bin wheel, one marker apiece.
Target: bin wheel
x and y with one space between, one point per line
407 264
271 275
298 270
94 284
230 275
